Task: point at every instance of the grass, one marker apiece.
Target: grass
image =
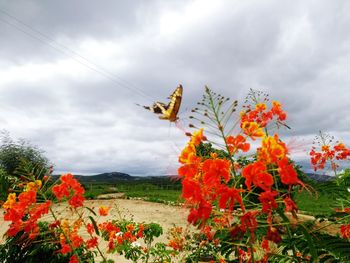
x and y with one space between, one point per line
168 192
320 204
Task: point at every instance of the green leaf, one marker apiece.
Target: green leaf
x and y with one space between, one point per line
92 211
95 225
311 244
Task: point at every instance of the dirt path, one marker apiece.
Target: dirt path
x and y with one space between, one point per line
140 211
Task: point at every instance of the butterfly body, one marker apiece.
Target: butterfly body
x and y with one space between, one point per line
168 111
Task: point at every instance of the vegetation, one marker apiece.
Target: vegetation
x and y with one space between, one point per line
16 155
160 190
243 203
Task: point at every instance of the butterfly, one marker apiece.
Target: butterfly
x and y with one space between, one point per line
168 112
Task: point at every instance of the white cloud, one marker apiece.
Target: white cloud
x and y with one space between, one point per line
87 121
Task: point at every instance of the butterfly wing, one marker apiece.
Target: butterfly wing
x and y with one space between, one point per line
174 105
169 112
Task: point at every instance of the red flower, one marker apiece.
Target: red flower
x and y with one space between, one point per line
249 222
61 191
76 201
90 228
272 150
290 205
73 259
103 210
265 244
68 183
345 231
268 201
76 240
256 173
273 235
287 172
230 196
252 129
237 143
65 248
189 170
27 198
201 213
191 190
214 170
277 110
91 243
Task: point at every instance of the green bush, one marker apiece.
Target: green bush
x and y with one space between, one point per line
16 157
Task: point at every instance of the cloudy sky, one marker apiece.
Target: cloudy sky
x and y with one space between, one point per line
72 71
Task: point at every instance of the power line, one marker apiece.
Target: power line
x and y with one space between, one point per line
43 38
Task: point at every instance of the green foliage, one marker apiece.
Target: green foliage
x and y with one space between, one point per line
157 253
17 250
151 190
16 156
5 183
13 153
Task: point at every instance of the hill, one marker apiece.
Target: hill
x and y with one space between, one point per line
104 177
319 178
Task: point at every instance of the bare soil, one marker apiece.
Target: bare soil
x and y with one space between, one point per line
138 210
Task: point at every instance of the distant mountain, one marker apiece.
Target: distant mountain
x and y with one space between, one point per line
320 178
105 177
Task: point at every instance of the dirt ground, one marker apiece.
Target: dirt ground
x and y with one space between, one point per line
140 211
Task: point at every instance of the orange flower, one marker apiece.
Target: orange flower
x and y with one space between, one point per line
11 200
90 228
256 173
73 259
130 227
253 130
197 137
215 170
103 210
189 155
287 172
230 196
345 231
277 110
260 107
273 235
248 221
201 213
68 183
268 201
33 186
191 190
290 205
91 243
272 149
237 143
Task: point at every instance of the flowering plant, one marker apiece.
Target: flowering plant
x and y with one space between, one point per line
76 239
241 198
239 186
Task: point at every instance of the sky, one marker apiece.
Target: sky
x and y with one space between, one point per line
71 73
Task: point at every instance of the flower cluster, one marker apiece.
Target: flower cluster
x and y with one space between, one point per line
253 120
24 211
69 184
328 152
210 183
120 235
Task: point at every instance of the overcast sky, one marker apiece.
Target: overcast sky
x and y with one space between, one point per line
72 71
